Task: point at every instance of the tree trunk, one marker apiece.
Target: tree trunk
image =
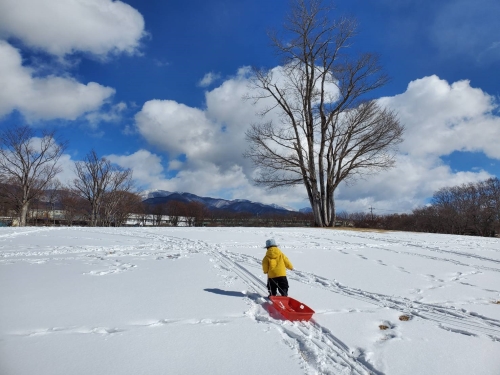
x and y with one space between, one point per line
93 217
316 206
23 214
331 211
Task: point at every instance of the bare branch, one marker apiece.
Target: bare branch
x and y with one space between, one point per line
29 164
101 183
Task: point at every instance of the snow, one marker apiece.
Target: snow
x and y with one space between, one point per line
154 194
186 301
286 208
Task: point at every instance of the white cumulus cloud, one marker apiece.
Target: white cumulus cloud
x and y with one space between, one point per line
441 118
208 79
44 98
146 167
176 128
61 27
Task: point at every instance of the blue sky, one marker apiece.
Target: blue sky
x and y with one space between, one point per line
157 86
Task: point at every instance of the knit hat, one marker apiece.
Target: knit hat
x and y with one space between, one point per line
270 242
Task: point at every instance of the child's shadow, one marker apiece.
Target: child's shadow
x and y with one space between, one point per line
224 292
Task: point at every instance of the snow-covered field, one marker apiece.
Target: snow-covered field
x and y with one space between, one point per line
186 301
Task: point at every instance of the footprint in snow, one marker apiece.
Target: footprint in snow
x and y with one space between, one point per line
402 270
112 270
77 330
388 331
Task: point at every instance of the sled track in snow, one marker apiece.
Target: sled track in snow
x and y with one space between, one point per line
163 246
428 247
424 247
321 351
458 263
451 319
24 232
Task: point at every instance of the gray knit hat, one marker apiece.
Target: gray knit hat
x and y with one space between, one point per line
270 242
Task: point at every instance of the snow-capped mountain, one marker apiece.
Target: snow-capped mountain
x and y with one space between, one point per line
156 197
154 193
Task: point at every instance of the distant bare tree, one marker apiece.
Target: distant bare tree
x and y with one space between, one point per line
52 196
127 203
175 210
97 177
158 211
472 209
328 131
195 213
73 205
489 192
360 219
7 207
141 212
29 164
113 203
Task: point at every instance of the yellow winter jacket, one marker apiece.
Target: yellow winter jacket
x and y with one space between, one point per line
275 263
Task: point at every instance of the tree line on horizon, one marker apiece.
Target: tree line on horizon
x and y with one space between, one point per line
467 209
122 208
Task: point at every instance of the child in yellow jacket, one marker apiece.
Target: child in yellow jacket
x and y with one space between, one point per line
274 265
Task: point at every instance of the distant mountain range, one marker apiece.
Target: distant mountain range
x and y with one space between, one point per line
156 197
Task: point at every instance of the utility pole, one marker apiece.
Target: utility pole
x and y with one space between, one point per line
371 211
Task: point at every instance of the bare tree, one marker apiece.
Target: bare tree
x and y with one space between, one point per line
115 200
328 131
175 210
29 164
52 196
7 207
195 213
73 206
489 192
140 210
472 209
126 204
158 211
96 178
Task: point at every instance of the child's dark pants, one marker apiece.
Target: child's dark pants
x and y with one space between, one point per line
278 284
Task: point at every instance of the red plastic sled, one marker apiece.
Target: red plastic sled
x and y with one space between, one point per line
292 309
